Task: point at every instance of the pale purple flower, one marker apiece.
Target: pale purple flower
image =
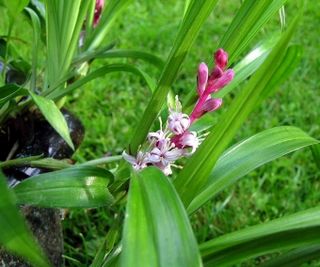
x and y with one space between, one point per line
165 154
178 122
139 162
166 169
159 138
186 140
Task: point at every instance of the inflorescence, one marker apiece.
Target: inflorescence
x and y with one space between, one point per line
175 140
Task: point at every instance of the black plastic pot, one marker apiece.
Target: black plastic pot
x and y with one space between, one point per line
31 135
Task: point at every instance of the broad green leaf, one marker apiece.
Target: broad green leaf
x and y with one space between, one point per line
15 236
54 116
84 187
111 11
197 13
35 45
10 91
195 173
157 231
273 243
295 258
288 232
249 20
102 71
136 54
248 155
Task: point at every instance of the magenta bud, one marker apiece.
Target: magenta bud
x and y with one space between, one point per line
97 12
221 58
211 105
202 78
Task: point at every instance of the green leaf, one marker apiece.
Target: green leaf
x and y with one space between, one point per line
195 173
64 21
54 116
157 231
84 187
248 155
295 258
148 57
100 72
15 236
197 13
288 232
272 243
249 20
18 161
10 91
35 45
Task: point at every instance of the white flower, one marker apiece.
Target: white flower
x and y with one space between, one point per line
138 163
178 122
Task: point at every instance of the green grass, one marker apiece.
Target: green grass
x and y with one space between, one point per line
111 106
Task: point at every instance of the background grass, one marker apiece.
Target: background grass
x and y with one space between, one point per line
111 106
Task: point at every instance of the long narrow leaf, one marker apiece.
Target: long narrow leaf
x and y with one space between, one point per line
136 54
157 231
195 174
302 219
251 17
197 13
72 187
272 243
248 155
54 116
102 71
295 258
15 235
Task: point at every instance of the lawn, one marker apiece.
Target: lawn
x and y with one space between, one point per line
111 106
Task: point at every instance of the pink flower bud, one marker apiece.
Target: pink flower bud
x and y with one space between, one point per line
211 105
97 12
202 78
178 122
221 58
216 85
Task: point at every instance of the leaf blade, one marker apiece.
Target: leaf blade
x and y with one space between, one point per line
157 231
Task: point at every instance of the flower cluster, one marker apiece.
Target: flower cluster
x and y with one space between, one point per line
175 141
